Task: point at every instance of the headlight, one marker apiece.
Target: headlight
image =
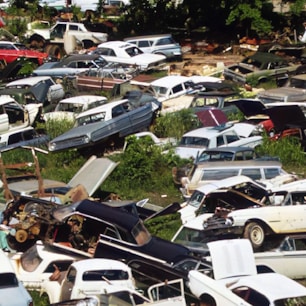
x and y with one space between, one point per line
229 221
86 139
52 146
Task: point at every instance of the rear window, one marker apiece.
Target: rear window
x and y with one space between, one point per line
98 275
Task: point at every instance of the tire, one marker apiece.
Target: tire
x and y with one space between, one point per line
255 233
54 51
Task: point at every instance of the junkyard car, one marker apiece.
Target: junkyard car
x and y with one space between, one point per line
12 291
110 122
27 136
129 54
196 141
203 199
288 258
261 67
261 224
35 266
69 108
159 44
35 90
10 51
70 65
242 285
85 277
210 172
15 116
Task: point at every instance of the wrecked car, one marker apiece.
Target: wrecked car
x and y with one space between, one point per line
107 123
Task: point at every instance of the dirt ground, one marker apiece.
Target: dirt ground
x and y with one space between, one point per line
201 63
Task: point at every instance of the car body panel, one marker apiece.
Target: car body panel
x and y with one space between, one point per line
114 118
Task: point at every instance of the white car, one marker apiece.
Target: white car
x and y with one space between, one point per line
14 116
89 276
236 281
126 53
196 205
69 108
36 89
261 224
12 291
193 143
36 265
288 258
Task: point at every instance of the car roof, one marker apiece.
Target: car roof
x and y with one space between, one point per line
95 209
83 99
265 57
101 108
27 186
99 263
30 81
79 57
115 44
239 163
229 149
146 37
170 80
209 131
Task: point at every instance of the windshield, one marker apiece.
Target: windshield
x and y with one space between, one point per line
191 238
194 141
141 234
160 91
69 107
30 259
196 199
215 156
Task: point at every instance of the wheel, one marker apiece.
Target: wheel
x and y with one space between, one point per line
255 233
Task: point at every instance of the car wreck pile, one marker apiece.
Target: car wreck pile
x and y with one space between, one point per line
239 209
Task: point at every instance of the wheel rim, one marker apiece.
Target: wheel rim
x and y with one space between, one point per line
257 235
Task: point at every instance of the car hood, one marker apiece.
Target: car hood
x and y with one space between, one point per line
250 107
93 173
212 117
286 116
239 259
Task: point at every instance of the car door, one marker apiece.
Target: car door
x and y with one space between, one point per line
68 284
4 120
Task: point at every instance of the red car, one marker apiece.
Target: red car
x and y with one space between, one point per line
10 51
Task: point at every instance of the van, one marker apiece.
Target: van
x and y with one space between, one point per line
208 172
163 44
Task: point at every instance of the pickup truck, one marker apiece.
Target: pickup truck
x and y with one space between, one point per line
63 37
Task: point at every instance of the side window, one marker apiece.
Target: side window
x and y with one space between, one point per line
71 275
220 140
73 27
117 111
164 41
212 102
218 174
143 44
252 173
248 155
198 102
239 156
271 172
62 265
14 138
177 88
